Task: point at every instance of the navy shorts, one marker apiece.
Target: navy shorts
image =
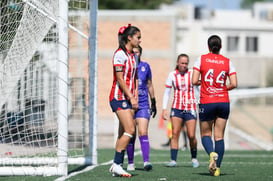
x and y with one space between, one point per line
209 112
120 105
143 113
183 114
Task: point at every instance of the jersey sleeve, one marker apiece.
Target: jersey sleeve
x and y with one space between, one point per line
197 93
166 97
119 58
231 69
197 64
168 83
149 72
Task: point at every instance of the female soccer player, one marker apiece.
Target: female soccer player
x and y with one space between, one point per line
183 107
123 95
142 115
214 101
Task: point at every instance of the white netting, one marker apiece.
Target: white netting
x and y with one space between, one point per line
31 30
251 117
29 82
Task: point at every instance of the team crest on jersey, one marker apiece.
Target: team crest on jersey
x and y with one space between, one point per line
143 69
124 104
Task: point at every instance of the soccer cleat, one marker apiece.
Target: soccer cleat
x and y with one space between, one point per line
171 164
217 172
212 162
117 171
131 167
195 163
148 166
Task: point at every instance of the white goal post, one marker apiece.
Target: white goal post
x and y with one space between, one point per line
47 107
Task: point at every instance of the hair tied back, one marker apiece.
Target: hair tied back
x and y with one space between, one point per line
123 28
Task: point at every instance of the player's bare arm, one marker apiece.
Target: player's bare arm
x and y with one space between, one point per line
122 83
195 77
233 82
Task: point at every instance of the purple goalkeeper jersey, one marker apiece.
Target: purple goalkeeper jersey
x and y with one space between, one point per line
144 73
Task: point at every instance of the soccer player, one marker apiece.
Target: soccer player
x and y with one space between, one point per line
123 95
142 115
183 108
214 106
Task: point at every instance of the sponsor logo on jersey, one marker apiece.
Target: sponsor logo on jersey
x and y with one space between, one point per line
214 90
139 82
191 101
215 61
142 92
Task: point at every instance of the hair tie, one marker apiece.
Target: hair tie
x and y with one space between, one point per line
123 28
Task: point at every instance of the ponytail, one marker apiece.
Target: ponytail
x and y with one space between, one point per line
123 34
214 44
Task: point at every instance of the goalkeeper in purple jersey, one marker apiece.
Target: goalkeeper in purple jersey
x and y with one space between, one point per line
142 115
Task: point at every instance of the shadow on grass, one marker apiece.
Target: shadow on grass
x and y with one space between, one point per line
208 174
178 166
142 169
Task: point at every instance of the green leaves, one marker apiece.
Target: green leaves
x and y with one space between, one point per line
132 4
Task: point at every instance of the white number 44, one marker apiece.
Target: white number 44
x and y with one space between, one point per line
219 79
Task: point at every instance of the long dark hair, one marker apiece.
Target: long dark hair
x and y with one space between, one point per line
178 57
123 34
215 44
140 53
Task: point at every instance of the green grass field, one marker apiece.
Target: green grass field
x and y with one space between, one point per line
237 165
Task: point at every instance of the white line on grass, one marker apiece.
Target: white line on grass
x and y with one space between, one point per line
262 144
226 155
89 168
224 163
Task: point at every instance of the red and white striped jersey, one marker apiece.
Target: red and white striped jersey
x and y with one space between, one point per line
214 69
128 62
184 96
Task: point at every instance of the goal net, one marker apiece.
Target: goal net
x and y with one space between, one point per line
251 118
44 81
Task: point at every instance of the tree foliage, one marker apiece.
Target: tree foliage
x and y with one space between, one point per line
249 3
132 4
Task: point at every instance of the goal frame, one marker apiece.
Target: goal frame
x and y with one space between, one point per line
62 161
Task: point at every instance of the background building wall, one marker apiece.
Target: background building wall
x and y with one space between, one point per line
177 29
157 33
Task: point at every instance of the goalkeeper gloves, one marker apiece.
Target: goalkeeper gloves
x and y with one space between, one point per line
153 107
